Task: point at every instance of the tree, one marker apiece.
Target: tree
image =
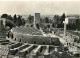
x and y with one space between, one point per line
62 19
31 19
9 23
78 24
23 21
56 20
10 18
4 15
46 20
19 20
14 18
13 21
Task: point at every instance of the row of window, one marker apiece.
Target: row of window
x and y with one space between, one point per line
19 41
25 41
10 35
34 42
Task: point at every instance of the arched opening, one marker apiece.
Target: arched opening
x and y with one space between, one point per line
20 40
25 41
8 34
31 25
12 36
15 39
34 42
43 42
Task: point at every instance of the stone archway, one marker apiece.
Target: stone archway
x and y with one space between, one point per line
20 40
15 39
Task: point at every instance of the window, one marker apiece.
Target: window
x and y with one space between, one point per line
25 41
34 42
15 39
20 40
8 35
12 36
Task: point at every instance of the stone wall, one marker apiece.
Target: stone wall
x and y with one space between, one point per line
42 40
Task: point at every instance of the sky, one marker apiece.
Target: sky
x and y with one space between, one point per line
43 7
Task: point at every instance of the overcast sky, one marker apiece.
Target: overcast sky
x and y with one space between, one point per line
45 8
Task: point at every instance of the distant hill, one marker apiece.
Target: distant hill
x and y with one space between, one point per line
25 16
73 15
42 16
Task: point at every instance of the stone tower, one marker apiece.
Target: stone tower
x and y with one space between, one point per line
36 19
2 28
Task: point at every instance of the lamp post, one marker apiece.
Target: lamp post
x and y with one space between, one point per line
64 29
34 21
65 23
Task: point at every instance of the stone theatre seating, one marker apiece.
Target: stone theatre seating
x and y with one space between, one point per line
4 41
15 45
33 50
37 50
27 30
25 51
47 50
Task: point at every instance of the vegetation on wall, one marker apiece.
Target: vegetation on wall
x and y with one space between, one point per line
16 20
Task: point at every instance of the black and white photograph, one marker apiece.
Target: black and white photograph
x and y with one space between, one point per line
39 29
